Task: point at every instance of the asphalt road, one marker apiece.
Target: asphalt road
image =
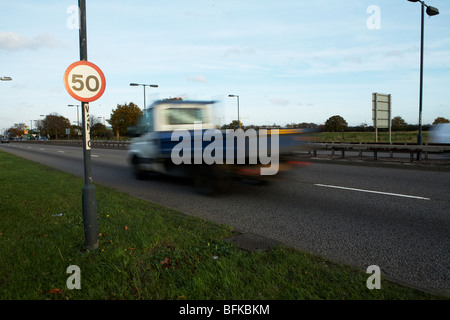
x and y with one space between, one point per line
396 219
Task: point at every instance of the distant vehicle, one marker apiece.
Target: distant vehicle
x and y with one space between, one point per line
43 138
5 140
152 147
440 133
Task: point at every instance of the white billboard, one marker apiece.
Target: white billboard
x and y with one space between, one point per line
381 113
381 110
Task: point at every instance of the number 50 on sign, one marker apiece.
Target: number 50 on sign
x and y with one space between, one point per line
84 81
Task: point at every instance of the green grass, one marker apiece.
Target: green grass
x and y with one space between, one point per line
369 137
146 251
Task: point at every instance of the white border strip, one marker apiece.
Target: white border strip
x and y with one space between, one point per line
371 191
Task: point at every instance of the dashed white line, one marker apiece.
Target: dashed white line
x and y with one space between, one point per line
372 191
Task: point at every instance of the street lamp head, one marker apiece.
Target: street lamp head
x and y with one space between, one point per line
432 11
232 95
145 85
6 78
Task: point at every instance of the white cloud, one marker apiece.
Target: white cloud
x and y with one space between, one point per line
11 41
239 51
279 101
200 79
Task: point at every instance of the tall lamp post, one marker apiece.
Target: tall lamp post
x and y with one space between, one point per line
237 96
78 120
75 105
41 125
144 85
5 79
431 11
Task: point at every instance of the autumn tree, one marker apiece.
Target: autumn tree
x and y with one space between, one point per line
336 123
124 116
99 130
233 125
54 125
398 124
17 130
302 125
439 120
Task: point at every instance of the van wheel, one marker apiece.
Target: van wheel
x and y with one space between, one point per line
211 181
138 172
206 186
205 178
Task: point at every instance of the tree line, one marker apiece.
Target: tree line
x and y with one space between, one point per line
126 115
54 126
337 124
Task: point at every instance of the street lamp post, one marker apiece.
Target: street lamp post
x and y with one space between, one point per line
42 125
144 85
237 96
75 105
5 79
431 11
78 120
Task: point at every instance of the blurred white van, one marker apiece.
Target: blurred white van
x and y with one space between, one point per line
440 133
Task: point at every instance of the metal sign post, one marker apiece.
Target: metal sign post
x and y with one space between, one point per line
88 198
381 113
85 82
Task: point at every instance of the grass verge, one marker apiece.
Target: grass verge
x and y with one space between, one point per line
369 137
146 251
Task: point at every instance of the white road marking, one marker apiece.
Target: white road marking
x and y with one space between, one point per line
94 156
60 151
372 191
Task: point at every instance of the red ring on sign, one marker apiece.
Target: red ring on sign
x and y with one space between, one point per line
73 94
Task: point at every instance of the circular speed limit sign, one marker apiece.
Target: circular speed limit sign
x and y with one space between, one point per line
84 81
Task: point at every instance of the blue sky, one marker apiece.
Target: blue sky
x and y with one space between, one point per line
289 61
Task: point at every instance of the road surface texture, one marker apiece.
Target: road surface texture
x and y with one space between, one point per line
397 219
